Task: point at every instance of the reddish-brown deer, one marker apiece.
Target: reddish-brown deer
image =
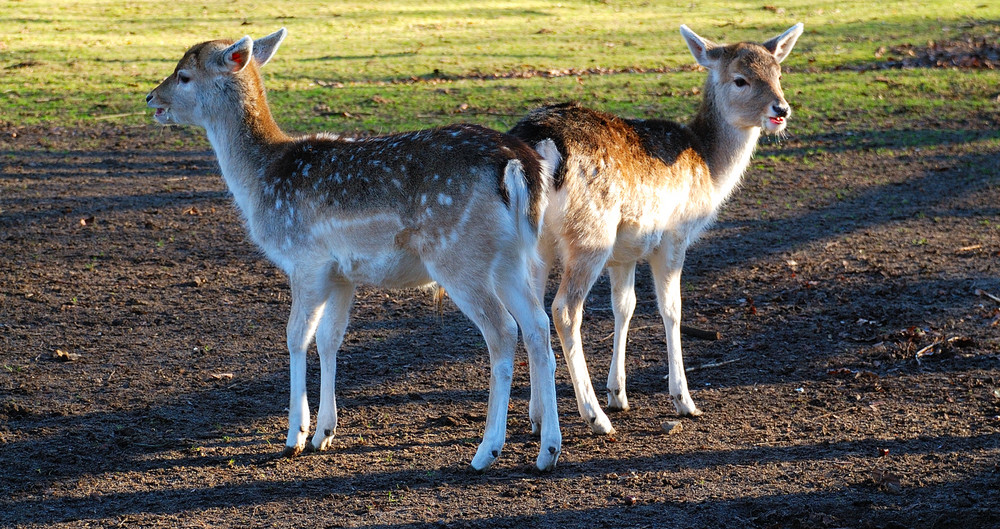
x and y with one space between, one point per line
630 190
460 206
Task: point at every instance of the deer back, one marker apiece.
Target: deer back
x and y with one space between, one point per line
641 172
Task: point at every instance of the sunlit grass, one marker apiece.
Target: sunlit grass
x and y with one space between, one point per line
70 63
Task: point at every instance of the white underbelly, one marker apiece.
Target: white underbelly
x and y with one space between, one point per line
394 269
634 244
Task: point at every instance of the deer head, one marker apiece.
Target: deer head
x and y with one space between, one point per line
744 84
214 79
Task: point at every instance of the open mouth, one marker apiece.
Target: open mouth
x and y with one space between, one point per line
777 121
161 114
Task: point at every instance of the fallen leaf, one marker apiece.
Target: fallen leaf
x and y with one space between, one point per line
221 376
65 356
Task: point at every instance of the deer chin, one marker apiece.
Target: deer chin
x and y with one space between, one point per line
773 124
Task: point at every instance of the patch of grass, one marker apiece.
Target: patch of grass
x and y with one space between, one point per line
347 66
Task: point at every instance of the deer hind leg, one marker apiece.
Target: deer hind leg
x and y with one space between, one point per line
579 275
329 336
309 295
541 267
623 305
666 267
516 292
475 297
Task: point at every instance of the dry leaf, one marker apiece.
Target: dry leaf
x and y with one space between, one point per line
65 356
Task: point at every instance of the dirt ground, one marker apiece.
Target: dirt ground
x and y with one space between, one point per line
854 280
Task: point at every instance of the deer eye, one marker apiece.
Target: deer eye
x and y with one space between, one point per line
740 82
183 77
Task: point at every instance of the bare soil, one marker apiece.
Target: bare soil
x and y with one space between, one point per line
854 280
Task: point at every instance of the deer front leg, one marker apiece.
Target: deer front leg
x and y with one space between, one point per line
623 306
308 301
666 268
329 336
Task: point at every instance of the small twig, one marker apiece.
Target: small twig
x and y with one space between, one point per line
695 332
981 292
923 351
969 248
116 116
713 364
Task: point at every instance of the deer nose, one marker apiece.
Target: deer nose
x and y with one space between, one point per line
149 97
781 110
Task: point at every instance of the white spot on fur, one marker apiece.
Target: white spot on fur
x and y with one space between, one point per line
444 199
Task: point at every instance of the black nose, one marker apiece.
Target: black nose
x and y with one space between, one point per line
149 97
780 111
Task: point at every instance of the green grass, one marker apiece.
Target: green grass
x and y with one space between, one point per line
345 65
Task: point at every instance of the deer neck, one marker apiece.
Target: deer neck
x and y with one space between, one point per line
245 138
727 149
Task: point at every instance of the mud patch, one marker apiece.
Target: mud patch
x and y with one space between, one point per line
856 382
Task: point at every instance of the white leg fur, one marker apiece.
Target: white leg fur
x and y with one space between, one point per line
308 303
483 307
329 336
540 272
666 268
542 410
567 316
623 305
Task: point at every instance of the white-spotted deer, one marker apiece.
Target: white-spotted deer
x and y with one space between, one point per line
459 205
631 190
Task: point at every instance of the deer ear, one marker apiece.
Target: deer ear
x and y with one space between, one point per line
782 45
237 56
264 47
702 49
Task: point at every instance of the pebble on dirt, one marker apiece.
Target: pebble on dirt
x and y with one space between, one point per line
672 427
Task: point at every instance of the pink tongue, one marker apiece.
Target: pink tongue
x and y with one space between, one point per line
777 121
158 112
